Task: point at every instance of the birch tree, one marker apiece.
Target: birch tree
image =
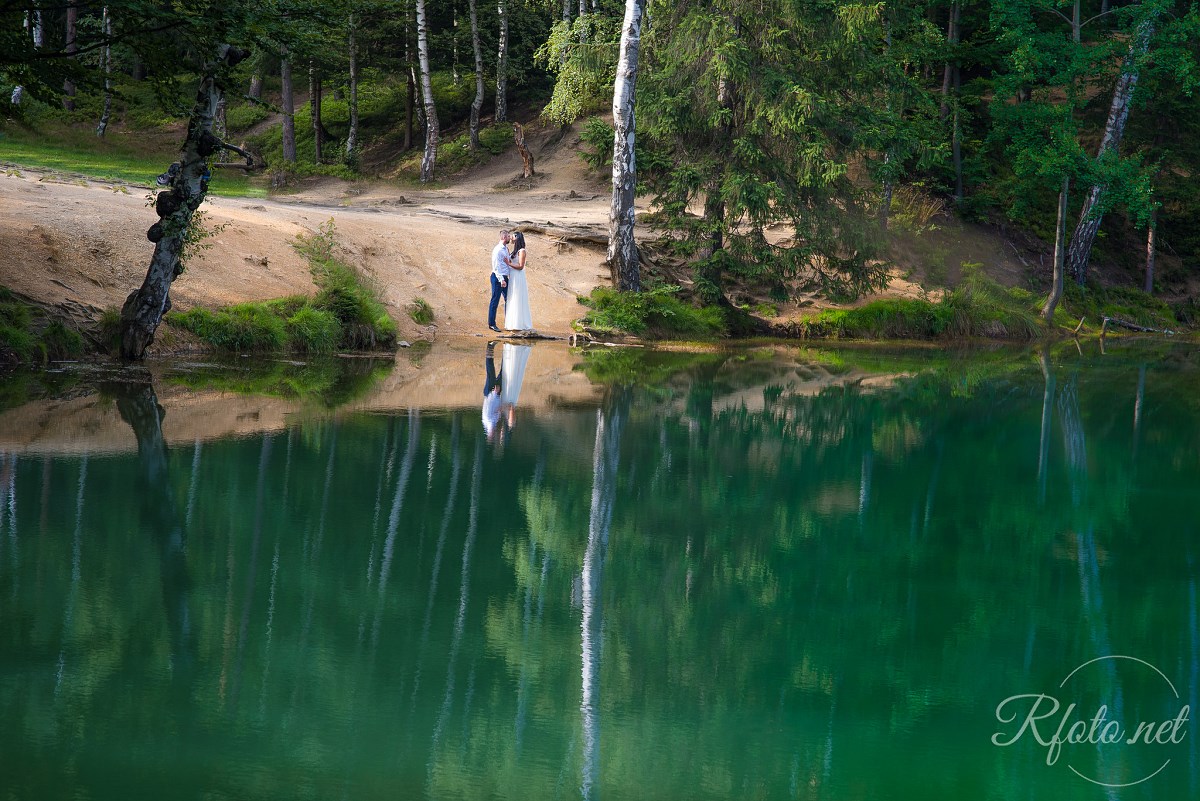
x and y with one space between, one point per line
429 160
106 67
477 103
352 52
502 64
1092 213
622 249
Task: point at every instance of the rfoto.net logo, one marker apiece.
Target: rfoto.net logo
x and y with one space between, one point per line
1100 746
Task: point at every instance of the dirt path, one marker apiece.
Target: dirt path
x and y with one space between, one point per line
82 244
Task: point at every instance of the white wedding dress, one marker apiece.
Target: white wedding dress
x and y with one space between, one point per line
516 305
512 372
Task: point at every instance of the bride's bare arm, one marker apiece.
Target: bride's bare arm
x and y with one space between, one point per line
519 264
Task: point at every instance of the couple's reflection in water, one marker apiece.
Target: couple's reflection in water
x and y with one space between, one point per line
502 388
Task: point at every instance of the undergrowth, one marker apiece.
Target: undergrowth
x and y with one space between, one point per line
656 312
28 336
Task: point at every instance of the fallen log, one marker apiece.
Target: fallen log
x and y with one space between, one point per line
1132 327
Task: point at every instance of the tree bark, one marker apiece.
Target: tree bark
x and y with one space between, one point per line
1089 217
289 109
622 249
502 64
582 20
314 109
106 66
526 156
1060 241
71 46
145 307
477 103
429 160
352 134
1151 252
952 35
256 86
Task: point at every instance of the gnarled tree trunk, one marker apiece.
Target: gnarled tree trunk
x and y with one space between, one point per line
526 156
145 307
622 249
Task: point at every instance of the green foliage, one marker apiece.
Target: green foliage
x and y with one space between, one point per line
61 341
421 312
657 313
245 115
240 328
328 382
584 69
597 136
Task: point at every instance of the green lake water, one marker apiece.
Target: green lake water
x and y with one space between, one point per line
766 574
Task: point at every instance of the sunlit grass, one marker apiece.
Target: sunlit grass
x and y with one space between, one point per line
128 158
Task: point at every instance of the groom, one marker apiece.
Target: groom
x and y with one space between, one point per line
500 270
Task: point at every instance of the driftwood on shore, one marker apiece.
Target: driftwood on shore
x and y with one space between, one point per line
1116 321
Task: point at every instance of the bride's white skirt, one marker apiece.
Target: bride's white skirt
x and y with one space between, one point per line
516 306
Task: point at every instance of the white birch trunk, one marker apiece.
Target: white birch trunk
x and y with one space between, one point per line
622 249
429 160
1151 252
352 48
106 66
477 103
502 64
1089 221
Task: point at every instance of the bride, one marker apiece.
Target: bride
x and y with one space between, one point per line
516 305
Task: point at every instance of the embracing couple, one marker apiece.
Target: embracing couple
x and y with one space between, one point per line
508 282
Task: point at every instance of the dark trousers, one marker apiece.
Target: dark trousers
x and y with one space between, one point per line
489 366
497 292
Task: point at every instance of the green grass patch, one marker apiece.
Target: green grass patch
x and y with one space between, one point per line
29 336
346 313
1096 302
978 307
657 313
421 312
118 157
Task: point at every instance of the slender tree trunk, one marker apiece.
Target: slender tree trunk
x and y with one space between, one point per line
1060 242
145 307
502 64
256 86
622 249
454 71
71 46
1089 218
1151 252
106 66
410 108
952 36
477 103
429 160
352 134
583 21
289 109
314 110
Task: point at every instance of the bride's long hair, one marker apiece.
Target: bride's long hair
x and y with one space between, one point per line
518 239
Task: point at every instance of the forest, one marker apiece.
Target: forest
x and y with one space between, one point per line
776 141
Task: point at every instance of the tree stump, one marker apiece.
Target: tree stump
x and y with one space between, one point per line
526 156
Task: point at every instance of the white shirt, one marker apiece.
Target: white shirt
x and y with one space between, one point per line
500 260
491 412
